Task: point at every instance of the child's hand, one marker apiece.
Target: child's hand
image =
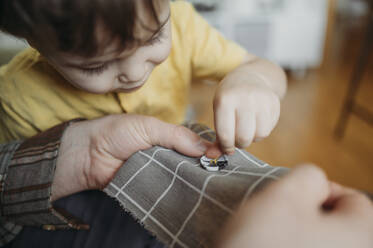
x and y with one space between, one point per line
245 110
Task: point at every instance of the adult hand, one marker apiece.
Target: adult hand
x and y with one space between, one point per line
302 210
91 152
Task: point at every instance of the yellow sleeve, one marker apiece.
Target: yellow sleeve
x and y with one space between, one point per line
35 97
13 126
213 56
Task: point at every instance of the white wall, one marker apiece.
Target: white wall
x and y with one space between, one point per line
289 32
8 42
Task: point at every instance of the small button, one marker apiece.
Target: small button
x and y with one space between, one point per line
49 227
214 165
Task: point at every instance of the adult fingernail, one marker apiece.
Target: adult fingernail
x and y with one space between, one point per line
213 152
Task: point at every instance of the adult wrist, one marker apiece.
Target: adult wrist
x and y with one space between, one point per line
73 156
27 190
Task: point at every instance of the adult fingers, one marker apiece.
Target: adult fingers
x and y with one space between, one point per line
354 210
213 151
346 200
306 185
336 192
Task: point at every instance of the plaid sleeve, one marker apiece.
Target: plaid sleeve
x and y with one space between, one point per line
8 230
27 172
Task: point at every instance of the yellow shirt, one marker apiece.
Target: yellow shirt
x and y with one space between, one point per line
35 97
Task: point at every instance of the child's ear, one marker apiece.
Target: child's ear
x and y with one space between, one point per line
34 45
31 43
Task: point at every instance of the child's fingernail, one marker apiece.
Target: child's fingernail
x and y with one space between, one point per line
230 151
258 139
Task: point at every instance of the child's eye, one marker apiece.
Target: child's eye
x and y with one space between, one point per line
156 39
95 70
153 41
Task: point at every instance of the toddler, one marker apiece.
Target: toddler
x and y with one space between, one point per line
91 58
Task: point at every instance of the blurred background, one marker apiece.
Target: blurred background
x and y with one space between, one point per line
319 43
327 115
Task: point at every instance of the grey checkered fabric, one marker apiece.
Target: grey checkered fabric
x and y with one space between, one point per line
182 204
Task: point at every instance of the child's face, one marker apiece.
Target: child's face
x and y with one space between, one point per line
123 72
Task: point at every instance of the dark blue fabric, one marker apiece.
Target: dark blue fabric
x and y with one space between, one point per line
110 226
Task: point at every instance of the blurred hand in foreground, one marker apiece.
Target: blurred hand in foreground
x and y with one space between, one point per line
303 209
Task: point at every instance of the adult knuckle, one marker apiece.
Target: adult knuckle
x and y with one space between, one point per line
177 131
150 123
146 127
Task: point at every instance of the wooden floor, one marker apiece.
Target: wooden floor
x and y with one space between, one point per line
309 115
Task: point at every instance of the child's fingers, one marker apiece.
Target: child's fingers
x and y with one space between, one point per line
275 111
245 129
263 125
225 128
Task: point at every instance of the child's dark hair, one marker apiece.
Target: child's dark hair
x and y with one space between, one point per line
70 25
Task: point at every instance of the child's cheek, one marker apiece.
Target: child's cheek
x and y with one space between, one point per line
163 50
100 84
97 84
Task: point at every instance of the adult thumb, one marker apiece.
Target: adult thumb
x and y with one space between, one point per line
176 137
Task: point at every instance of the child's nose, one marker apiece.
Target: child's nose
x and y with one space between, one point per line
132 74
